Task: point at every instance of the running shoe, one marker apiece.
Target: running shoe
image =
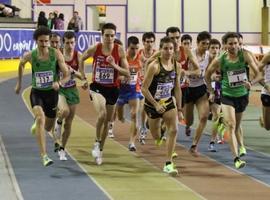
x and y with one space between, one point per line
174 155
62 155
46 160
142 136
158 142
131 147
239 163
98 160
96 153
212 147
170 169
242 151
110 133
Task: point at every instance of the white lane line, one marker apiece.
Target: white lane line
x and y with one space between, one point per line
11 174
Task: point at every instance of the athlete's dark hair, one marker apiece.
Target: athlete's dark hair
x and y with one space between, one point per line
55 34
204 35
166 39
172 29
69 35
42 30
214 41
148 35
108 26
133 40
186 37
230 35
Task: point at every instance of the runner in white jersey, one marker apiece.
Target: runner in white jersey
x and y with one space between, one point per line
196 93
265 94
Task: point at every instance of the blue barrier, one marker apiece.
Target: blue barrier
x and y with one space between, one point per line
14 42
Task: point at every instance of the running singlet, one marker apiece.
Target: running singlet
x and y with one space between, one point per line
162 84
203 63
74 64
183 60
134 80
233 76
103 72
43 72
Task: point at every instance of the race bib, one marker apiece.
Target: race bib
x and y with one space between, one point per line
237 77
68 84
133 78
104 75
163 90
44 79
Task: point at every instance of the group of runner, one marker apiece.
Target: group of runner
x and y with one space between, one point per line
161 86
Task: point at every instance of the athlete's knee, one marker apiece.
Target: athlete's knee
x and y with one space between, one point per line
133 115
204 118
230 125
40 118
64 112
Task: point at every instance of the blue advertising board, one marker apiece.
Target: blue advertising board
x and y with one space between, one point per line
14 43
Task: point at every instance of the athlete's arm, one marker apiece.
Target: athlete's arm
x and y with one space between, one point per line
249 59
88 53
76 73
212 68
264 61
26 58
123 68
63 68
193 60
178 92
151 71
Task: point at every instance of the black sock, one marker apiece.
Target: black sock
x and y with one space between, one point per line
193 146
168 163
236 158
59 122
212 142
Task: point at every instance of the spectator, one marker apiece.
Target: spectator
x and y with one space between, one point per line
78 20
59 22
71 25
50 20
42 20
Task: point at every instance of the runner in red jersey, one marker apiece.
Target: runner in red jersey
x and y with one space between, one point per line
109 61
148 50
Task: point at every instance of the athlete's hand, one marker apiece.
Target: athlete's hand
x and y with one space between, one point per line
160 108
17 88
110 60
56 85
211 97
247 85
216 77
85 84
180 115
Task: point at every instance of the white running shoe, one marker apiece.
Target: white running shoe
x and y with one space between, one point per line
96 153
62 155
110 133
98 159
